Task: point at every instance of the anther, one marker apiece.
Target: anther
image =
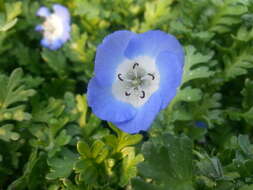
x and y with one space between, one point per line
127 94
135 65
153 76
142 94
119 77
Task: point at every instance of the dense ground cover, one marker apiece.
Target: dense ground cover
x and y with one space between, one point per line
50 139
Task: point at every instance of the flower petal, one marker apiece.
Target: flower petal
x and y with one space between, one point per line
39 28
62 12
151 43
105 106
171 71
45 43
65 36
56 44
53 45
43 12
144 117
110 54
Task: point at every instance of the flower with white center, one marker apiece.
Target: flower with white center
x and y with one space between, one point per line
136 76
56 26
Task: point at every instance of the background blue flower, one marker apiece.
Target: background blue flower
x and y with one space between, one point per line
201 124
56 27
136 75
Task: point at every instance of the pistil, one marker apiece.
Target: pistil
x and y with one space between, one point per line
136 82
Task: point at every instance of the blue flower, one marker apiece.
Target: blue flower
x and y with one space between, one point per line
56 27
201 124
136 76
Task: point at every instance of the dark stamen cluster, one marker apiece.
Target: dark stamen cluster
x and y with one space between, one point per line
136 80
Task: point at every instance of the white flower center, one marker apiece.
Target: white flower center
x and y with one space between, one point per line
53 27
136 80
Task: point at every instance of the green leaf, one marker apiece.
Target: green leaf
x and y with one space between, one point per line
129 165
196 65
75 49
89 9
61 166
84 149
239 63
189 94
32 176
13 10
123 139
63 138
247 93
46 111
156 12
244 143
6 133
128 140
14 91
210 167
169 163
8 25
99 151
246 187
247 115
87 170
244 34
226 14
82 107
210 109
56 61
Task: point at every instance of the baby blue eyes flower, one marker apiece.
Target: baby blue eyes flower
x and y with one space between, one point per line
56 27
136 76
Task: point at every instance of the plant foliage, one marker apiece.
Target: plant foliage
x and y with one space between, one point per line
50 139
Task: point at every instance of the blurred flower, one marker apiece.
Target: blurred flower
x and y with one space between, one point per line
136 75
201 124
56 27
